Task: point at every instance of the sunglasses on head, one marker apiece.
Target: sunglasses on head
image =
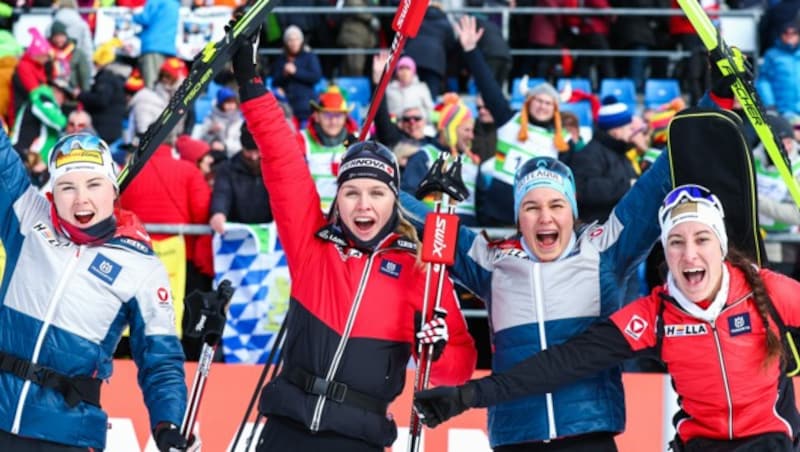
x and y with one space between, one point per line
690 193
411 118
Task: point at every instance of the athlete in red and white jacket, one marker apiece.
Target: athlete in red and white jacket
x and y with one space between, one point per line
357 286
711 325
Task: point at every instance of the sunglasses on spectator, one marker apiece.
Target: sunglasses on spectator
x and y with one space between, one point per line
411 118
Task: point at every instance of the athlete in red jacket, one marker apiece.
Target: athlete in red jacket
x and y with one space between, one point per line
357 286
710 323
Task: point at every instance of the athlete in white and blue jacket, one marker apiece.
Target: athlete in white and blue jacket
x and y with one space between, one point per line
77 273
549 283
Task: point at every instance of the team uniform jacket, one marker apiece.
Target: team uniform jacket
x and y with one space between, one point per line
352 314
717 367
64 306
533 306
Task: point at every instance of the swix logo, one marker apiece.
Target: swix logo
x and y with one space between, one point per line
635 327
696 329
401 19
439 243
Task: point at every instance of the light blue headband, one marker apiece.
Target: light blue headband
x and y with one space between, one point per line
544 178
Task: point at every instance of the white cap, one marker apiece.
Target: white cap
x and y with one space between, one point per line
81 152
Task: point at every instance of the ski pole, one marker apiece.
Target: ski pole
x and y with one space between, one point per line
731 62
406 24
276 346
438 250
206 312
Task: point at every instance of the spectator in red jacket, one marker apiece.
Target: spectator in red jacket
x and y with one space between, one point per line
173 191
30 73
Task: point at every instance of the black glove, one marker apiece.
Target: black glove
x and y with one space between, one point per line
168 437
721 86
244 64
437 405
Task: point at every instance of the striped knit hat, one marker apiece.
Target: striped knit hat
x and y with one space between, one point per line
613 114
452 113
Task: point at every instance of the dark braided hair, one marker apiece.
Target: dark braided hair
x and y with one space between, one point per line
761 299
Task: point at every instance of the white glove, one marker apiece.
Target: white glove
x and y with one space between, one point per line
434 332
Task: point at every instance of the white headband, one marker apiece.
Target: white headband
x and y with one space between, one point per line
701 212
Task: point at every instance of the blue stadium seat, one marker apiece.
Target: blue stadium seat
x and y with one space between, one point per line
472 88
517 98
357 89
621 88
321 86
202 108
582 109
582 84
268 82
659 91
452 84
212 89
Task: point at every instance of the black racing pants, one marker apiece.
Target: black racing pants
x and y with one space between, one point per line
9 442
281 435
772 442
590 442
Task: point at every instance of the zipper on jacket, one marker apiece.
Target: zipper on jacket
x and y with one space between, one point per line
48 319
337 357
538 298
725 383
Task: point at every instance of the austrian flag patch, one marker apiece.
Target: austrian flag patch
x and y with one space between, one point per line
635 327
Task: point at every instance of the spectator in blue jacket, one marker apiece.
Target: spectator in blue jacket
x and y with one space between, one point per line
159 21
296 72
777 79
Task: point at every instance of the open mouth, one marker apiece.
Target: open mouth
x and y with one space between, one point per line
694 275
364 224
84 217
547 238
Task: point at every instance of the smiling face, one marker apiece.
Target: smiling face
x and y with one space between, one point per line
331 122
694 257
542 107
546 223
412 122
83 198
365 205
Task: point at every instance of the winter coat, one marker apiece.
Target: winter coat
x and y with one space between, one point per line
28 75
545 28
778 76
574 292
74 65
106 103
632 31
239 193
299 88
345 296
77 29
159 21
433 42
417 93
603 174
173 191
64 307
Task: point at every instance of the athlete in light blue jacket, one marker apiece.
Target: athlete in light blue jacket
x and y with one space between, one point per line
550 282
77 273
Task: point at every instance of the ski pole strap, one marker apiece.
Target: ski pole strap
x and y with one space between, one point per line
74 389
335 391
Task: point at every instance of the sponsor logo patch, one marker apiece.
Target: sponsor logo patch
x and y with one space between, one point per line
368 163
46 233
105 269
635 327
696 329
739 324
79 156
163 295
391 268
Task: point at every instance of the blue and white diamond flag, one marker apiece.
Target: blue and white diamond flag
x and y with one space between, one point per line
250 256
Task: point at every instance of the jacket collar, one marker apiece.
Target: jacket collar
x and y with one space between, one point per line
333 234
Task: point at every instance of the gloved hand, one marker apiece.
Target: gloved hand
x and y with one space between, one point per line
244 64
437 405
168 437
434 331
720 84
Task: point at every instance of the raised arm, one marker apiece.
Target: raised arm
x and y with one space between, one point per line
492 93
283 167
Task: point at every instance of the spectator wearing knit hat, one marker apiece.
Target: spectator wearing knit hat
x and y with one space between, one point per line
105 101
69 61
148 103
604 170
535 130
30 72
455 127
406 88
777 76
223 123
239 195
324 140
295 72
